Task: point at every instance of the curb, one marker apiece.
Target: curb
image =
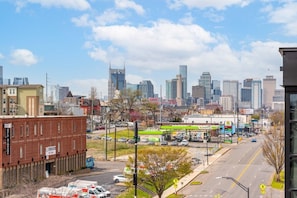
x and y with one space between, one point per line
183 182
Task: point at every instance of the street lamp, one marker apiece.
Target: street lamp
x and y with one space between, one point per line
106 117
246 189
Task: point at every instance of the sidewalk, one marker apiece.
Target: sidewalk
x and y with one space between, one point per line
188 178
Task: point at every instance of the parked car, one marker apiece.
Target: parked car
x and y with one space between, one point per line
163 143
97 138
253 140
184 142
122 139
120 178
100 127
174 143
131 141
195 161
108 138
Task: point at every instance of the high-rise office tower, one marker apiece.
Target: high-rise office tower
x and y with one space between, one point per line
171 89
205 80
179 89
183 72
231 88
216 91
247 82
198 94
256 94
147 89
20 81
269 86
116 81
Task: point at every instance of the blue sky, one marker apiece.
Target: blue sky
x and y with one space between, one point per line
75 41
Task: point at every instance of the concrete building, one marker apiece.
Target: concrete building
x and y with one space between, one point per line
22 100
227 103
231 88
183 72
198 94
269 86
256 94
179 88
33 147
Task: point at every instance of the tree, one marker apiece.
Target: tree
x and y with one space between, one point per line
150 107
274 145
159 166
122 105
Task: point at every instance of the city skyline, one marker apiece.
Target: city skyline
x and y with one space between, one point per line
75 42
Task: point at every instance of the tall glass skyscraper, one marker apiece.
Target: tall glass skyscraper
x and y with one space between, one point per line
183 72
147 89
205 81
116 81
256 94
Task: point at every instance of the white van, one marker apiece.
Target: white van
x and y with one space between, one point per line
89 184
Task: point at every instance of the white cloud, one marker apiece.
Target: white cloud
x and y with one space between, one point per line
285 15
23 57
1 56
68 4
202 4
82 21
146 46
124 4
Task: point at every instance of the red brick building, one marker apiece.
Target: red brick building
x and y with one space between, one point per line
35 146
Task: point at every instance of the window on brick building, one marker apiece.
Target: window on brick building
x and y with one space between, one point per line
21 131
41 128
74 146
59 127
21 152
74 127
12 131
35 129
59 147
40 149
27 130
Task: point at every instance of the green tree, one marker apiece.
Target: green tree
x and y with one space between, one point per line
159 166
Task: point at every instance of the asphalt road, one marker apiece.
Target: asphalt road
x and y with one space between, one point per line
246 165
103 174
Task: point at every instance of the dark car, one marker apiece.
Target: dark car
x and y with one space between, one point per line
131 141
